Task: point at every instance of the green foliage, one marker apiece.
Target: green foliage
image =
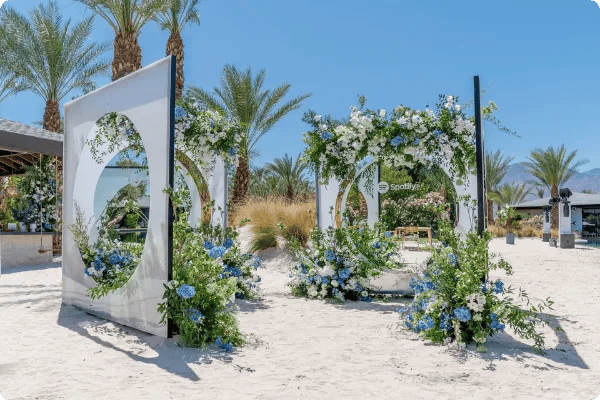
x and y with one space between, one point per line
132 220
452 304
216 280
395 214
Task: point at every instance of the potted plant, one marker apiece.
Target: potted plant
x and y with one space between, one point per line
507 215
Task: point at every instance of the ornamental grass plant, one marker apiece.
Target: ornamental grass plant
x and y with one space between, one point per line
456 302
276 216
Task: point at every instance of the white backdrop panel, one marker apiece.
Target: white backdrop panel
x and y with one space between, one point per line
145 98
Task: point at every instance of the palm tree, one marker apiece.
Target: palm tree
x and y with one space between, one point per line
9 82
496 167
126 18
510 194
553 168
241 96
289 171
174 19
51 59
540 191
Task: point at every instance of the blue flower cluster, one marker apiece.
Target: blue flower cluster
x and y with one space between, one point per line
229 271
116 258
223 346
180 112
452 259
463 314
195 315
498 286
330 255
208 245
326 135
388 234
228 243
397 141
445 322
217 251
496 325
420 286
186 291
231 152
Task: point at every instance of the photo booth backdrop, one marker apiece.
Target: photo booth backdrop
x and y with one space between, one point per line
146 97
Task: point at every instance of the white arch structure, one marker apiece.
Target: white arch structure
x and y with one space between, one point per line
466 191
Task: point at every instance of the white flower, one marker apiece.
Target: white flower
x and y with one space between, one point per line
364 293
334 283
382 113
317 118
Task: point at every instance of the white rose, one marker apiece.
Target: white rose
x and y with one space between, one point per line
334 283
364 293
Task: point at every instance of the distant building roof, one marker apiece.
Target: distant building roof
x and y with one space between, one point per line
576 199
19 144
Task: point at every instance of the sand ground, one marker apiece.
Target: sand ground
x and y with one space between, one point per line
301 349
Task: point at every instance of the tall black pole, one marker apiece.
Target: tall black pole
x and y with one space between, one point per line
481 203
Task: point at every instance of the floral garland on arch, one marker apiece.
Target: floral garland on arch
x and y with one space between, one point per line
403 137
202 134
116 130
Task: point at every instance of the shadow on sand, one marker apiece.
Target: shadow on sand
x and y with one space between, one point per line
503 346
171 358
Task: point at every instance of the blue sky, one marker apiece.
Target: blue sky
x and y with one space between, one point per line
538 58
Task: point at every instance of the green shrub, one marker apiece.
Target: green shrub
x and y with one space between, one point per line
264 237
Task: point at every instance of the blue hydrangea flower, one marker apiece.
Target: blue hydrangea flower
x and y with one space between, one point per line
186 291
217 251
376 245
484 288
388 234
208 245
114 259
195 315
463 314
397 141
408 324
180 112
98 264
498 286
417 141
325 280
232 152
344 274
228 243
428 285
326 135
329 255
258 279
87 272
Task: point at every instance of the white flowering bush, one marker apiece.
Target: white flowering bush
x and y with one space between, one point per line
342 262
203 134
115 130
455 302
38 195
403 137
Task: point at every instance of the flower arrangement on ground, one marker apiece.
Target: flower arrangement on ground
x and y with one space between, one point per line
203 134
455 302
342 261
209 272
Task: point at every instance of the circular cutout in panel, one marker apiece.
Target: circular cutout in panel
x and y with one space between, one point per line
111 241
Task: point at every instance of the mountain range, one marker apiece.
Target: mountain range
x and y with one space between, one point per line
580 181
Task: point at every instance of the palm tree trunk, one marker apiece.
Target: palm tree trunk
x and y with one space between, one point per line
127 55
554 193
241 184
52 116
290 193
490 212
175 47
